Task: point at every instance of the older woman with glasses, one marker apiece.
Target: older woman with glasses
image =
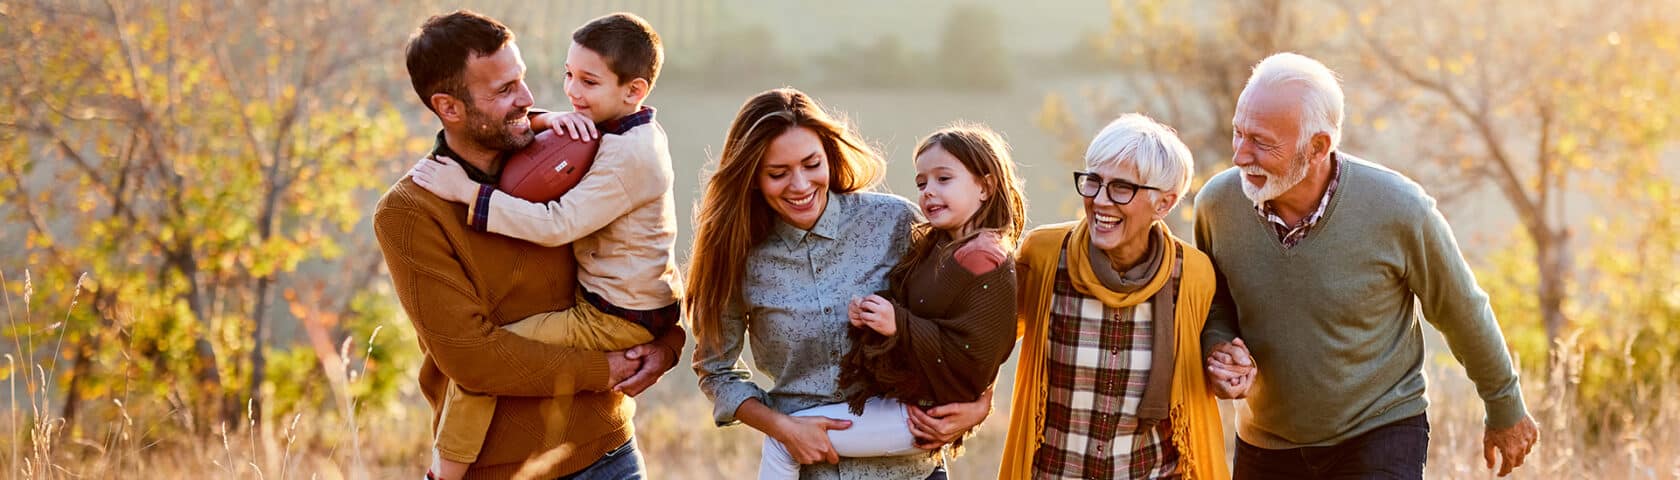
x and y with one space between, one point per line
1110 381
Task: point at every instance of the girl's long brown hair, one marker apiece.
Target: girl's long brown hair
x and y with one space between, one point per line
986 156
732 216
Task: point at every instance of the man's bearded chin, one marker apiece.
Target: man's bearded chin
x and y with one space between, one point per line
512 133
1275 184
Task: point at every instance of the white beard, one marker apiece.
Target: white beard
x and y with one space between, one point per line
1275 184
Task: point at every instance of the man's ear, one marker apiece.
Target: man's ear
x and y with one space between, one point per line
1320 145
639 89
448 108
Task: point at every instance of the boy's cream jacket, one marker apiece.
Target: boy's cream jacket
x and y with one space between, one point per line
620 219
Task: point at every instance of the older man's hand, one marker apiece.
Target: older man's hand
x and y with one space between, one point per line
1513 444
1231 370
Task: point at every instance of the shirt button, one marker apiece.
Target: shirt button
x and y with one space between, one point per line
828 310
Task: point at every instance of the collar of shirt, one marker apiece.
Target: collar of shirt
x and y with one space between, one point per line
442 149
623 124
1270 214
836 213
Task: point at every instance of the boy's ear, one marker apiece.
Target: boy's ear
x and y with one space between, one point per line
639 89
448 108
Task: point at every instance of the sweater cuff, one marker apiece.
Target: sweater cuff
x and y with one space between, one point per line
596 375
1504 412
478 213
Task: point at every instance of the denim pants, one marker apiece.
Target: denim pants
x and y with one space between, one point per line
1394 451
622 463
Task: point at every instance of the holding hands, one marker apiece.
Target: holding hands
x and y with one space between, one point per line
873 312
1231 370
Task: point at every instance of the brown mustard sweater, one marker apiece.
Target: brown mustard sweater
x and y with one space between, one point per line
955 328
555 413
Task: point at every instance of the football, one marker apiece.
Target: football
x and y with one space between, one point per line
549 167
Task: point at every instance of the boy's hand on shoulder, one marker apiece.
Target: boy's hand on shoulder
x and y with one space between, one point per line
575 124
444 178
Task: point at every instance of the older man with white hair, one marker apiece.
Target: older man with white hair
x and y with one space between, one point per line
1110 382
1323 260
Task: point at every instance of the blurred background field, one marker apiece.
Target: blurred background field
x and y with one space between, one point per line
192 287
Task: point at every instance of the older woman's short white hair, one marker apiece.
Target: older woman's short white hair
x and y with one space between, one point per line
1321 102
1162 160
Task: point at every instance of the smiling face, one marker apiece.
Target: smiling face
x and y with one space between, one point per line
1117 227
498 101
1265 144
950 193
595 90
793 177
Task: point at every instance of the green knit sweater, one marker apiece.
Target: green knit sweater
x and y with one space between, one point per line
1331 322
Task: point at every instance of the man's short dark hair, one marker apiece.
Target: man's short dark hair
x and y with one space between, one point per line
627 42
438 52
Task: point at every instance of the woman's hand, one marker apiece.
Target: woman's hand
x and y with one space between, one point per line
874 312
806 438
444 178
937 426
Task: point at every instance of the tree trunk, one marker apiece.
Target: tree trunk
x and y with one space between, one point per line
210 405
1551 252
78 374
259 339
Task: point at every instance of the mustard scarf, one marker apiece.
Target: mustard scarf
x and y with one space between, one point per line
1197 430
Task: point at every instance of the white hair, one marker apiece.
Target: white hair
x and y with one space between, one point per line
1161 159
1321 102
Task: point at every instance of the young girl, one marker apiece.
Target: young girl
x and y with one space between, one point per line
948 321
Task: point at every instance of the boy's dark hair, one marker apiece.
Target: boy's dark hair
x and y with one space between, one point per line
628 43
438 52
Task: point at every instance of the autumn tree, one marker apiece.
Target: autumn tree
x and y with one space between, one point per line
1537 99
191 157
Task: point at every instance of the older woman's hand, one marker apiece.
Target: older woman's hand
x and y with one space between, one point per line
937 426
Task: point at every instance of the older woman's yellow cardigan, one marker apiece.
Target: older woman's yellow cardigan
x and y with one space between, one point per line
1196 427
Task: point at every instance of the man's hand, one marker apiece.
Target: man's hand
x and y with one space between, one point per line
806 438
620 367
1513 444
444 178
575 124
874 312
655 359
937 426
1231 370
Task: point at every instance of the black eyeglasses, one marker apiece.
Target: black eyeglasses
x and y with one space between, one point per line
1120 192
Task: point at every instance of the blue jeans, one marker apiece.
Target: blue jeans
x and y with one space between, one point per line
622 463
1394 451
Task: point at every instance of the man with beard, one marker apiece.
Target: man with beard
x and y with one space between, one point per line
559 410
1323 260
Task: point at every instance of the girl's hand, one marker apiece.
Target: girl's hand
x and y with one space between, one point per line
876 313
444 178
806 438
578 125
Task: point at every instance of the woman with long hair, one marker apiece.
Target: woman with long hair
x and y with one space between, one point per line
786 235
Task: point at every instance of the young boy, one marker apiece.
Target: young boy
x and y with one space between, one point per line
620 219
